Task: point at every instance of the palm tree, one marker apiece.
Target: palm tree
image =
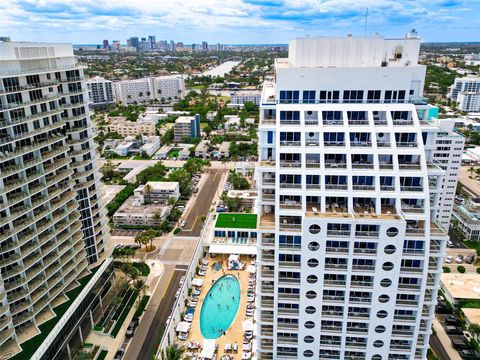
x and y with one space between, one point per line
147 189
157 217
140 287
471 171
172 352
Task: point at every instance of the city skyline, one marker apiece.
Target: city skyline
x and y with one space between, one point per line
232 23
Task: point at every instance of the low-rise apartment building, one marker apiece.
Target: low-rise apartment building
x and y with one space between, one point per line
125 128
157 192
468 220
244 97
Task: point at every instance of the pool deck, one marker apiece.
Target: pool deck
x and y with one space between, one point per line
235 332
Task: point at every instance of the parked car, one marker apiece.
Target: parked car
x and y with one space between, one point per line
453 330
459 259
131 328
468 355
449 259
460 344
119 354
450 244
443 308
452 320
183 223
469 259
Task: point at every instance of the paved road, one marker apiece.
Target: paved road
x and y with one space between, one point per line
147 337
438 348
202 204
455 240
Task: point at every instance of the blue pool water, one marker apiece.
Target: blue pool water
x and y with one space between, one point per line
220 307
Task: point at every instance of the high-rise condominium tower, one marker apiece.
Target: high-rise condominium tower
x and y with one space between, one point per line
52 224
356 183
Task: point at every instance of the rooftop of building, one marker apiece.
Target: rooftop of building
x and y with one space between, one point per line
184 119
472 315
461 286
236 221
469 214
159 185
351 52
132 207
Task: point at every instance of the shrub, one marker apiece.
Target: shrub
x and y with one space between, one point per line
461 269
446 269
98 327
141 307
176 231
119 199
478 270
142 268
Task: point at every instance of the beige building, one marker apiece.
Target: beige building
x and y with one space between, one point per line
125 128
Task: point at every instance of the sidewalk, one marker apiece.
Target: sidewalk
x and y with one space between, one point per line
445 340
113 344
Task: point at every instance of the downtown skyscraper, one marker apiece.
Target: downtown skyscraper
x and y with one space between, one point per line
356 181
52 223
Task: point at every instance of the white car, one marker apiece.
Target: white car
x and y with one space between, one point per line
449 259
450 244
183 223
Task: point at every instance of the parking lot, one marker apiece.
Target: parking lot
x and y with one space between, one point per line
455 257
455 341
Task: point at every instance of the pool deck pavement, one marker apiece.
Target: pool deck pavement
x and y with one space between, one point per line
235 332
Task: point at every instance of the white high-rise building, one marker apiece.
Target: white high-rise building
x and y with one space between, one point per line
355 186
52 222
150 88
466 92
100 91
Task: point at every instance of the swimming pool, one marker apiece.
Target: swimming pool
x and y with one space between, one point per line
220 307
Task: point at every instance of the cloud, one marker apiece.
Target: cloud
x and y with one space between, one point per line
231 21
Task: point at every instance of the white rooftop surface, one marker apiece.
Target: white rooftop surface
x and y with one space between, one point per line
351 52
462 286
224 146
160 185
184 119
472 314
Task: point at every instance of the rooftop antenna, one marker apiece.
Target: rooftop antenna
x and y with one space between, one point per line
366 21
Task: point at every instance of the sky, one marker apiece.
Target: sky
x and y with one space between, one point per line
235 21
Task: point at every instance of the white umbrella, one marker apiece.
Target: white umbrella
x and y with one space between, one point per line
197 282
208 349
251 269
247 325
183 327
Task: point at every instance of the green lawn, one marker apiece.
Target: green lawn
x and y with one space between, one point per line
236 221
174 153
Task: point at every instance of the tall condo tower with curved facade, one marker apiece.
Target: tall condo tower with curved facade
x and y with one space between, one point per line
356 182
52 223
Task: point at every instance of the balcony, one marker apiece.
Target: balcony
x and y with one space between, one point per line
410 144
290 164
310 142
312 164
334 283
336 250
288 185
335 165
334 143
290 223
285 143
362 165
409 165
412 188
361 284
363 268
267 221
290 264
